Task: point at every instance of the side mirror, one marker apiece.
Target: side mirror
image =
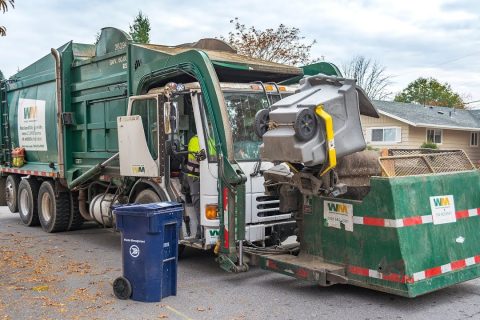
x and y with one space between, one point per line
170 117
166 117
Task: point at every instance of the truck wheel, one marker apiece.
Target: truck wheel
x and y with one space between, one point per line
122 288
3 197
261 122
147 196
76 220
305 125
27 202
53 211
11 190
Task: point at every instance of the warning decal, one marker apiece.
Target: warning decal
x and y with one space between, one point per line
31 125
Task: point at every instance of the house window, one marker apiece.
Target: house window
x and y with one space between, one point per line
473 139
434 136
388 134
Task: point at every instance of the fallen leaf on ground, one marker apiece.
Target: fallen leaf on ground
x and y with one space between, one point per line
40 288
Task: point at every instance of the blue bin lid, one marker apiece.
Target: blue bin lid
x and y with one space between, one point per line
147 209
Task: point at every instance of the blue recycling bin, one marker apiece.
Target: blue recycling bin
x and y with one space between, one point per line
150 235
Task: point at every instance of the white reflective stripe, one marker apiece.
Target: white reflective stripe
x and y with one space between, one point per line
394 223
470 261
357 220
472 212
374 274
427 218
417 276
446 268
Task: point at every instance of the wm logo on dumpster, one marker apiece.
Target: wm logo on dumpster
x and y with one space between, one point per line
337 208
441 201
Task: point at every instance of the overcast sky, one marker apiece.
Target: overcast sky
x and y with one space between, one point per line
436 38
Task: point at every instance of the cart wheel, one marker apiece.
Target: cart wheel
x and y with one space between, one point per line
305 125
122 288
261 122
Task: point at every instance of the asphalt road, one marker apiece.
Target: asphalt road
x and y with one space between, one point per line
69 276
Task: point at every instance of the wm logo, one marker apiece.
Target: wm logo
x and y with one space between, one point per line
30 113
138 169
337 207
441 201
214 233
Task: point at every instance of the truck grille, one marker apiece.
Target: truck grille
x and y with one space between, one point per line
267 206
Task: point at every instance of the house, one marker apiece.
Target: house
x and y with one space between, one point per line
408 125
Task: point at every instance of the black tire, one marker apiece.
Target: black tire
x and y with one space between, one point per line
3 196
27 202
53 211
305 125
147 196
11 192
76 220
261 122
122 289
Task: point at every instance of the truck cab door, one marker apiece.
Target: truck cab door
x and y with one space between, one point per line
138 137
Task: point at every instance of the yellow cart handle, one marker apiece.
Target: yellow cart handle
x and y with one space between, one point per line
332 153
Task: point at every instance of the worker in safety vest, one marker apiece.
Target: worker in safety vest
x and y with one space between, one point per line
195 155
193 176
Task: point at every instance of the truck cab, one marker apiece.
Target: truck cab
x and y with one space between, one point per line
264 222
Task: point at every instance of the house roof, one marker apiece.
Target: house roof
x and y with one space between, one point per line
430 116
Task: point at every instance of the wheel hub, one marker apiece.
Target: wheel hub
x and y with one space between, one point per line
9 193
46 207
24 203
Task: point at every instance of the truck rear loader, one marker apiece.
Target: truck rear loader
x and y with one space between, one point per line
91 126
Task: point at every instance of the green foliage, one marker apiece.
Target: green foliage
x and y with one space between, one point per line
281 45
1 75
140 30
429 145
430 92
4 8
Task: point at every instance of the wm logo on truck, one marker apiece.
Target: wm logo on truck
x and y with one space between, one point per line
138 169
30 113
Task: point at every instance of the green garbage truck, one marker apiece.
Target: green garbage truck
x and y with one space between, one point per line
92 122
90 126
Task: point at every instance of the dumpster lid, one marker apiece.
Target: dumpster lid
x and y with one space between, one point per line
147 209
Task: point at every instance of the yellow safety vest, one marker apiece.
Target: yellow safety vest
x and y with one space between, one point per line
193 166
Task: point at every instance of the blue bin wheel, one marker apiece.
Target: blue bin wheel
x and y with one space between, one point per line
122 288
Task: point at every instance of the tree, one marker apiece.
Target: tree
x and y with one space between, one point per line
140 30
430 92
370 76
1 75
282 45
4 8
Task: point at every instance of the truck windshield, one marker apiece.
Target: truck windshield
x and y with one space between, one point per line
242 107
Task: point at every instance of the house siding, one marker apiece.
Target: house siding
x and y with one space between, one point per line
413 137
